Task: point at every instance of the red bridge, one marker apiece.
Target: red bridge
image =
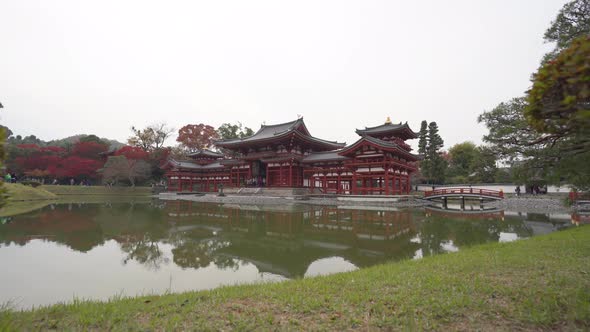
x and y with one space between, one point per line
464 193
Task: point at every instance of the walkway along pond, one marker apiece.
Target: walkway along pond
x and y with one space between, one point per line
101 250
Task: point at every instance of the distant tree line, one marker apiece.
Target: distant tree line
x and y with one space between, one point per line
90 159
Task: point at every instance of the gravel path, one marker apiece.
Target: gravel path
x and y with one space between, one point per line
539 204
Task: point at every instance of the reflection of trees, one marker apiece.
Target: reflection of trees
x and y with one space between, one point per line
466 231
144 250
432 235
74 228
197 254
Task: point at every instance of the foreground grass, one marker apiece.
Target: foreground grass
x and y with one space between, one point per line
540 283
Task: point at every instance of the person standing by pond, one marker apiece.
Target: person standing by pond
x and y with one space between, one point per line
517 191
8 178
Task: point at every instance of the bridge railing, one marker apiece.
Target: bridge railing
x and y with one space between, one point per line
464 191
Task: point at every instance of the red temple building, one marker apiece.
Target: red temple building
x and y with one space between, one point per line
287 155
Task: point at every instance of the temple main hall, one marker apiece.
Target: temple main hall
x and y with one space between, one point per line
286 155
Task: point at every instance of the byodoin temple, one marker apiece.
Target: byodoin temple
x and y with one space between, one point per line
287 155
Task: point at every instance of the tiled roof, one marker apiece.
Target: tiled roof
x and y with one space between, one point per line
276 131
384 128
206 153
324 156
191 165
381 143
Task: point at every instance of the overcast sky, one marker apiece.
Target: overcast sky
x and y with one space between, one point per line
72 67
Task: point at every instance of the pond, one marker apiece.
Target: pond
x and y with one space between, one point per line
103 250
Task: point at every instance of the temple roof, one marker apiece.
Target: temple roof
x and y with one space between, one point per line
272 132
388 128
192 165
205 153
386 145
324 156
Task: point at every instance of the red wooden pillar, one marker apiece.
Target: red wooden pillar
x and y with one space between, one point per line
403 185
338 185
386 177
408 183
290 182
179 182
353 189
267 175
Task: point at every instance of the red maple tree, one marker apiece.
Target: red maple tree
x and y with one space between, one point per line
195 137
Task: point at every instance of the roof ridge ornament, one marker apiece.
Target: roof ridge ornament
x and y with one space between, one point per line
388 121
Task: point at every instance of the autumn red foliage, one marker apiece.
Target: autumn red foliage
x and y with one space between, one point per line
54 162
195 137
133 152
90 150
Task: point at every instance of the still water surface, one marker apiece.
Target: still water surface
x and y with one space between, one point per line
102 250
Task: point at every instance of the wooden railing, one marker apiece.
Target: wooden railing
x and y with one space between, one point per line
464 191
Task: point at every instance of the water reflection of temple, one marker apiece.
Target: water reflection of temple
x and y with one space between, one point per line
287 239
281 239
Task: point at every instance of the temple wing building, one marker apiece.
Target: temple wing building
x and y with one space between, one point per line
287 155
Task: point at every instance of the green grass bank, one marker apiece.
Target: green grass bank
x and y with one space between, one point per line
23 199
97 190
539 283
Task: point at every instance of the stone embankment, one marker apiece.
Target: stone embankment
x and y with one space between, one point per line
540 204
406 201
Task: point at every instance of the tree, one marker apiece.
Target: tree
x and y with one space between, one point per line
150 138
462 158
91 138
229 131
423 138
559 101
132 152
509 132
433 166
196 137
545 136
89 149
484 165
513 141
119 167
572 21
3 135
559 110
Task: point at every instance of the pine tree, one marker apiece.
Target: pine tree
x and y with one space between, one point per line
423 142
436 165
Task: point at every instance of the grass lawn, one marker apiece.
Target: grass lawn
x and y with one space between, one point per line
97 190
19 192
539 283
22 199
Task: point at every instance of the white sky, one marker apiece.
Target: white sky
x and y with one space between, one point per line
99 67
